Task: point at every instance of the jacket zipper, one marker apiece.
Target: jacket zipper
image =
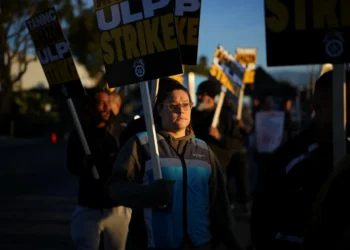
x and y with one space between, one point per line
184 193
184 198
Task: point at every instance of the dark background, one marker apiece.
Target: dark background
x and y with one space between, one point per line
292 47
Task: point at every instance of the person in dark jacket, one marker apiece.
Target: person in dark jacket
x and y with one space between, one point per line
238 166
196 213
328 226
220 139
293 177
226 140
95 212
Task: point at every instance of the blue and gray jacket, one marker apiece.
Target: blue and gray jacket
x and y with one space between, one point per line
199 194
191 198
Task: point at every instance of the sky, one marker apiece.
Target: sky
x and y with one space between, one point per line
233 23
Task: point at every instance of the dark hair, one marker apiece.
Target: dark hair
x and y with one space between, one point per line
166 87
91 96
324 84
210 87
90 103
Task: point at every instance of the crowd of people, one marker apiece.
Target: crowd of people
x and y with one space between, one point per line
193 205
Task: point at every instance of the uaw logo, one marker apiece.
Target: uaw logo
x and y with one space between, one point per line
334 44
139 68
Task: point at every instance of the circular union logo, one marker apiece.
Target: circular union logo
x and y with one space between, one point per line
334 48
140 71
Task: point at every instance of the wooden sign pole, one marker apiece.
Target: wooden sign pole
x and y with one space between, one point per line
339 113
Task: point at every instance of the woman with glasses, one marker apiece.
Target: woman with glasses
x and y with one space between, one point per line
189 207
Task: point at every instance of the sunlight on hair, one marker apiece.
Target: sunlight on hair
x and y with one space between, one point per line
325 68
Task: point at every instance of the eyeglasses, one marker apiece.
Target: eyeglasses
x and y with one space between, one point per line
177 107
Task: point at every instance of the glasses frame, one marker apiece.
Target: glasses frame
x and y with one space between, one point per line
179 107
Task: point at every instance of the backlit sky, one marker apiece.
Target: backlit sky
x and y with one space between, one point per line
232 23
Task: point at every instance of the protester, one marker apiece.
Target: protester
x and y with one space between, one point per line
288 121
248 123
196 213
225 140
95 212
115 126
293 177
238 166
328 223
219 139
256 107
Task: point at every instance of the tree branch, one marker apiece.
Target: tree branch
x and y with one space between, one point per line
18 44
20 74
8 27
17 32
23 26
9 57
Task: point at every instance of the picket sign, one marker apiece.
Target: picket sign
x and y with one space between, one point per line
81 134
151 130
60 88
219 105
247 58
227 70
141 63
154 91
339 113
192 87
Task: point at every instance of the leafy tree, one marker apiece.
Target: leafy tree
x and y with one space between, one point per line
83 35
15 43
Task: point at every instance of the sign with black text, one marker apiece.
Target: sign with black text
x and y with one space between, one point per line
226 69
247 57
54 54
187 15
307 32
138 40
